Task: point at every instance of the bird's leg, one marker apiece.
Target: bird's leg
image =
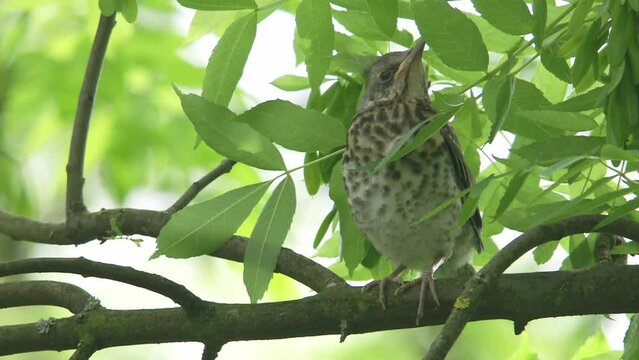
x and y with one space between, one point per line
426 281
393 277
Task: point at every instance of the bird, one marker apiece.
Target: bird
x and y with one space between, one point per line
389 204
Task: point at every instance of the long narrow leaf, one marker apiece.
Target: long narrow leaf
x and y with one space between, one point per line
413 138
321 231
479 186
202 228
267 238
226 63
235 140
514 186
618 213
217 5
314 22
353 241
450 34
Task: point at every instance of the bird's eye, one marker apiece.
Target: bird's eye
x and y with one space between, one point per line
385 75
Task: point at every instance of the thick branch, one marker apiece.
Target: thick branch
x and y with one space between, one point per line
478 285
75 177
54 293
147 222
88 268
517 297
195 188
289 263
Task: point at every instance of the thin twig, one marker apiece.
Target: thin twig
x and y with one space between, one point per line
465 308
88 268
195 188
75 178
54 293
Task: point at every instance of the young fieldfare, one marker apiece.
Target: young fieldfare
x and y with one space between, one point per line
388 204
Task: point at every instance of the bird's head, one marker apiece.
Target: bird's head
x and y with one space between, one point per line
396 75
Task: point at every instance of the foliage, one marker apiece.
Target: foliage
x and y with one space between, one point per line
559 83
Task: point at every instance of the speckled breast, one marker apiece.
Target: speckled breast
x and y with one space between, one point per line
388 204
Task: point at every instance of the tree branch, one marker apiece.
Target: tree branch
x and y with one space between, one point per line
517 297
87 268
147 222
211 350
478 285
86 348
54 293
75 177
224 167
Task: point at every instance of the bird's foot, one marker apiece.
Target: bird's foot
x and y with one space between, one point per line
392 278
426 281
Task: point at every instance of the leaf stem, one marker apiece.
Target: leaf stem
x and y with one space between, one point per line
318 160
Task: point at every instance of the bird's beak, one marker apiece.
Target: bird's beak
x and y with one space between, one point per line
413 56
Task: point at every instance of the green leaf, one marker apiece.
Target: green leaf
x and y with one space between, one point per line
611 152
619 212
631 248
315 23
217 5
384 13
235 140
516 182
550 85
580 204
321 231
631 340
554 149
291 82
509 16
468 209
587 52
204 227
622 111
361 24
494 39
312 173
294 127
129 9
544 252
450 34
506 89
108 7
476 189
226 63
267 238
581 253
578 17
618 40
413 138
571 121
556 65
587 101
353 241
540 16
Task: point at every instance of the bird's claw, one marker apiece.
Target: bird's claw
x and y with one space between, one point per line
382 287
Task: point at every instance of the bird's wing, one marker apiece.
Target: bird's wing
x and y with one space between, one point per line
462 175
